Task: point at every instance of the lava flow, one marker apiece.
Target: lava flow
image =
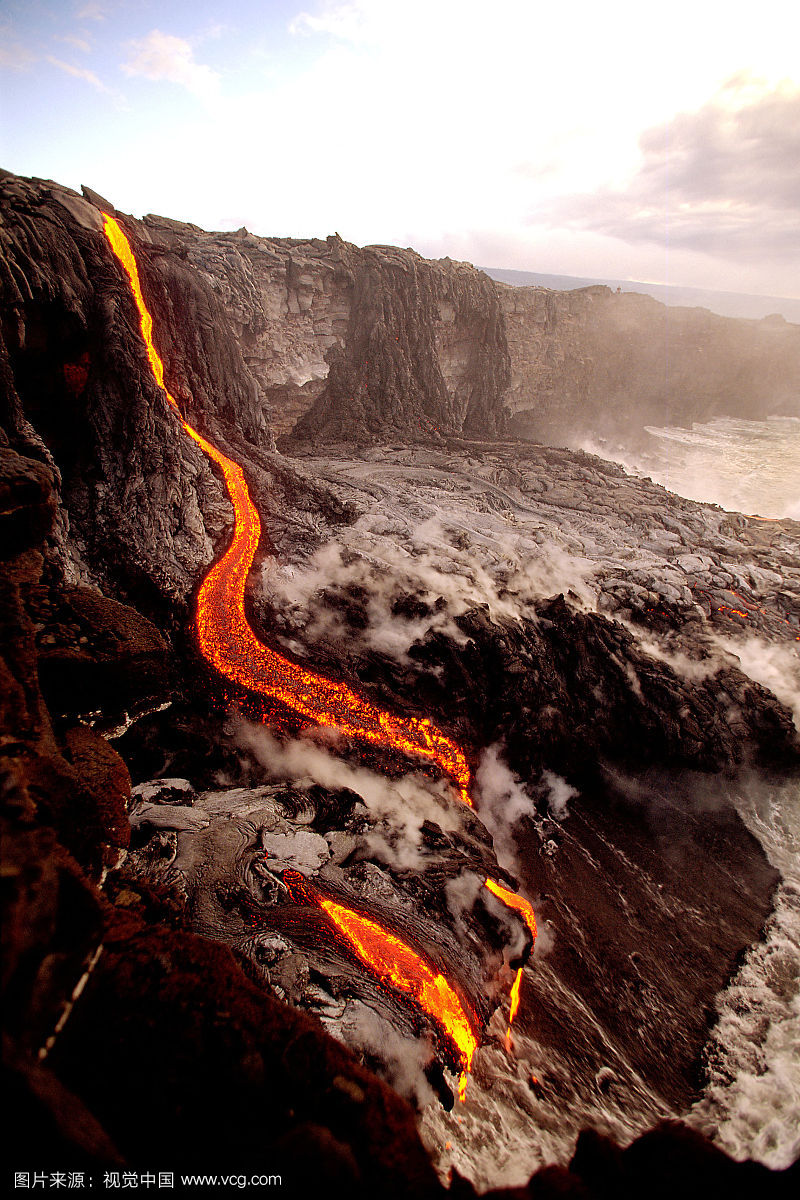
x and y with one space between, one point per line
398 966
520 905
227 641
225 637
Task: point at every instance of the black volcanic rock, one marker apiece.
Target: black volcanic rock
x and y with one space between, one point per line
668 1161
133 488
27 501
97 655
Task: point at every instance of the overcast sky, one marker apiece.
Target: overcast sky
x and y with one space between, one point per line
658 142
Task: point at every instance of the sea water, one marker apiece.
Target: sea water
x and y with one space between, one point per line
751 1101
744 466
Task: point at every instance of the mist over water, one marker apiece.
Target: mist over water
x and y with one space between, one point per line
744 466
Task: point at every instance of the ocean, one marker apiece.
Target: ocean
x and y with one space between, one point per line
751 1101
744 466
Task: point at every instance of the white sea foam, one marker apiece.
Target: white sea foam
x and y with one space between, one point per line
751 1104
744 466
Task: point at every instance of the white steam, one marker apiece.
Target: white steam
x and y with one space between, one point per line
400 806
560 795
446 565
502 801
775 665
404 1058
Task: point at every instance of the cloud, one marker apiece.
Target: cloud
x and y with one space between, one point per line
403 1058
16 57
345 21
160 56
79 43
721 179
80 73
93 11
429 560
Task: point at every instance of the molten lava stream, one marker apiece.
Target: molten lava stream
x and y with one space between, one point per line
400 967
520 905
229 644
225 637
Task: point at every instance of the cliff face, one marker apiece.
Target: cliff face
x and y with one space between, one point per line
365 344
139 501
140 511
593 361
355 344
319 341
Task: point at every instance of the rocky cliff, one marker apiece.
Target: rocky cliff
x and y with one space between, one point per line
355 344
336 342
363 344
595 362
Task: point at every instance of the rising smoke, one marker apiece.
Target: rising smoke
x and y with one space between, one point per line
402 592
400 806
775 665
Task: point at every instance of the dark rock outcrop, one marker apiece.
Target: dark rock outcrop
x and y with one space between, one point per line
425 353
138 499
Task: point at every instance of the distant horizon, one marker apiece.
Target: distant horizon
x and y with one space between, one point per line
791 303
580 280
656 283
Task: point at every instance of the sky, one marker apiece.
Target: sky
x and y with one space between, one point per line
631 140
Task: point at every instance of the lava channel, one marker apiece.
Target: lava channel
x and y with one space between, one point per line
397 966
520 905
226 639
229 644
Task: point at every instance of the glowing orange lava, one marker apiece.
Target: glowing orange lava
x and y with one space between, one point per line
515 997
520 905
225 637
400 967
515 901
229 644
749 604
515 1001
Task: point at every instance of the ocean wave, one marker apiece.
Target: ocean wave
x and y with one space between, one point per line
742 465
751 1102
